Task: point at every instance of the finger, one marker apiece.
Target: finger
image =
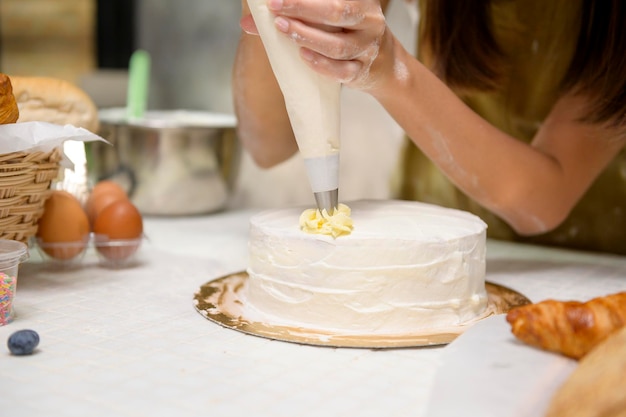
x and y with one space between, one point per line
340 46
345 72
337 13
248 25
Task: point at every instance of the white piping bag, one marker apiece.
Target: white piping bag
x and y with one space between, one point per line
313 106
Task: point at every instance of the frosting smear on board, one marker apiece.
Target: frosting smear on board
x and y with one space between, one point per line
406 267
320 222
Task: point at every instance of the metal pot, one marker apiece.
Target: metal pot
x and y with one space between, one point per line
169 162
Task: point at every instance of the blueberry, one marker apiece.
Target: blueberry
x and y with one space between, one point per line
23 342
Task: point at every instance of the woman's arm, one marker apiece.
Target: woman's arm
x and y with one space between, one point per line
532 187
263 124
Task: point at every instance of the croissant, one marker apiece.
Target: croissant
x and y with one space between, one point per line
571 328
9 112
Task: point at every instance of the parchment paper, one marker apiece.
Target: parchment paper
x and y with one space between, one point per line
41 136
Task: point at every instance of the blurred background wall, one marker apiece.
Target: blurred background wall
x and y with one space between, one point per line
192 44
48 37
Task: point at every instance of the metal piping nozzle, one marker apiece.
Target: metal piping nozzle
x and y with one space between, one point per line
327 200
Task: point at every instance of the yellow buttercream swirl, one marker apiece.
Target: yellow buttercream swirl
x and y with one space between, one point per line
337 224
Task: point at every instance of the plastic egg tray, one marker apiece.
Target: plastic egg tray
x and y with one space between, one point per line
111 253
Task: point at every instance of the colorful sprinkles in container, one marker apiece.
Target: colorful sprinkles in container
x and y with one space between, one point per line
7 290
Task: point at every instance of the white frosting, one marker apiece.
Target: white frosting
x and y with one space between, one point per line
312 100
405 267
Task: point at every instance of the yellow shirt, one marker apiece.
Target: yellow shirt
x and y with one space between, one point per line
526 32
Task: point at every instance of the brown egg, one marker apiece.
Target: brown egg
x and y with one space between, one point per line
107 186
122 224
63 229
103 193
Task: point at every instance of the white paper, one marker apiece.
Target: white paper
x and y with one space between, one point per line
40 136
487 372
43 136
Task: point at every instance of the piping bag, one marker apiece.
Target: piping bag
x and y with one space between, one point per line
313 107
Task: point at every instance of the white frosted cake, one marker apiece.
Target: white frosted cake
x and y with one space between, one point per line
405 267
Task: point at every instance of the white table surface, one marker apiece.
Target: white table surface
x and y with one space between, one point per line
128 342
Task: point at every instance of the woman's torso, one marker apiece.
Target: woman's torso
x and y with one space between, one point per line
526 31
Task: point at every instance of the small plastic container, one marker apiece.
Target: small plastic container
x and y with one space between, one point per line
12 254
112 253
116 253
65 254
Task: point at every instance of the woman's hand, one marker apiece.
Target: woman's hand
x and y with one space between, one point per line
341 39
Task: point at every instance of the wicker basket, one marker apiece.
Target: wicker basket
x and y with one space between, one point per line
25 179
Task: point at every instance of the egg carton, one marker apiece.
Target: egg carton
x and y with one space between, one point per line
113 253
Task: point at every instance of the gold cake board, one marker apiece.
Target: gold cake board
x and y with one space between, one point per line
220 301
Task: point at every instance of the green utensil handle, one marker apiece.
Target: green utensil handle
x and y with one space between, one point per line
138 81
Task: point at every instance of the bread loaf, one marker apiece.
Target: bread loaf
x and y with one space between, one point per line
597 387
55 101
9 111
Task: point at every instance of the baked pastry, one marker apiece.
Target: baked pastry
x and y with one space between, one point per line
571 328
9 111
596 388
54 100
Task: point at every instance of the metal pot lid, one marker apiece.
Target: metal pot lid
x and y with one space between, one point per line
159 119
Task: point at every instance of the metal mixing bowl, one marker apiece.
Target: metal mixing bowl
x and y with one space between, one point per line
169 162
